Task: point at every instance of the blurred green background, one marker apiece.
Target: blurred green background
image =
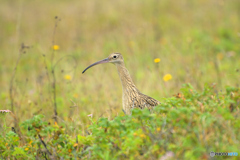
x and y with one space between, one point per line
198 42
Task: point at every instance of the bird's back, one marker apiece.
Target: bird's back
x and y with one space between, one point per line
139 100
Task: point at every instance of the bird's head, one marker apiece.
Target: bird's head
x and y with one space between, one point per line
115 58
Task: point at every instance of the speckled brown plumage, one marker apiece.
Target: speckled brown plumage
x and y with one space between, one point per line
131 96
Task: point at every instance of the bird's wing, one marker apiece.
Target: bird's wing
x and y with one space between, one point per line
149 101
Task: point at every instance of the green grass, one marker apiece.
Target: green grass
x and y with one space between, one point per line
188 126
197 42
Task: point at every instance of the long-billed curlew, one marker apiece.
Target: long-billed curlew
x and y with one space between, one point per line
131 96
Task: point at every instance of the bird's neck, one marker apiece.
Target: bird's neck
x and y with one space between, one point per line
127 83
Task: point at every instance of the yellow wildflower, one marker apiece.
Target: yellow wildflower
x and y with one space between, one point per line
75 145
142 135
167 77
67 77
55 47
135 134
55 123
157 60
26 149
158 129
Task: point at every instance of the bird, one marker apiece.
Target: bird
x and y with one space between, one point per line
131 96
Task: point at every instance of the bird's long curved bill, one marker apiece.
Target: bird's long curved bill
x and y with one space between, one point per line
99 62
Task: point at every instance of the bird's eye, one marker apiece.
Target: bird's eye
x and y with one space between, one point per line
114 57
